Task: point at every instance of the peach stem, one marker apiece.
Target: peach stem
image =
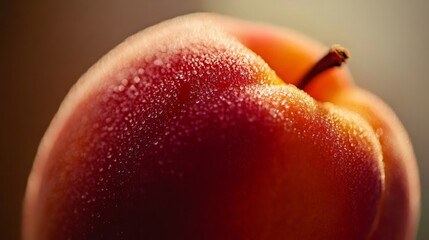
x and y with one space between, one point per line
336 56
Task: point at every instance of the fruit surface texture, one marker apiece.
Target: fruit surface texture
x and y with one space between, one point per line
195 129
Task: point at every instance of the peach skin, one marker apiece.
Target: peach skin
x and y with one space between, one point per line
206 127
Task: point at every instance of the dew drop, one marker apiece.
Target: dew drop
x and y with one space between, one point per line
136 79
124 82
158 62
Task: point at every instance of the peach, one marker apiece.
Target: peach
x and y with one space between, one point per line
195 129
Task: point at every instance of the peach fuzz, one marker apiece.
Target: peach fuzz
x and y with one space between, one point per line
193 129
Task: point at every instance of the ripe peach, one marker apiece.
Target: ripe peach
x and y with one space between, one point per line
194 129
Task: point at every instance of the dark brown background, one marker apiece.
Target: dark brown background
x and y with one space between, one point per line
46 45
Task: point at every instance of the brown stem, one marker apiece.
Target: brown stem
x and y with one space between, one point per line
336 56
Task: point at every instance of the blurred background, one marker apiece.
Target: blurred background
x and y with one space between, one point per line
46 45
